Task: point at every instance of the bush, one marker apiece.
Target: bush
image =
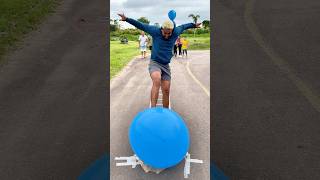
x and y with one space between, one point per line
113 28
123 40
202 31
114 38
198 31
130 31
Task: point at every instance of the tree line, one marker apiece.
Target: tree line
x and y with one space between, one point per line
115 26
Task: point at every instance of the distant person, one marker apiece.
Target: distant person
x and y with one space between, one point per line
164 38
179 45
150 42
185 45
175 47
143 39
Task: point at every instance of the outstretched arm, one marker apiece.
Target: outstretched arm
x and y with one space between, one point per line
183 27
142 26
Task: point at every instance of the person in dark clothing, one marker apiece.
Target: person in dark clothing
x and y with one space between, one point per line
150 42
175 47
179 45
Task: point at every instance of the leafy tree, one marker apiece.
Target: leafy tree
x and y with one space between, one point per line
115 26
144 20
195 19
206 24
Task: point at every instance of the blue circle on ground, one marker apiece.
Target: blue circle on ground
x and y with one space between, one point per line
172 15
159 137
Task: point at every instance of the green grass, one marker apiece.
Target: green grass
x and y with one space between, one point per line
199 42
131 37
121 54
18 17
197 35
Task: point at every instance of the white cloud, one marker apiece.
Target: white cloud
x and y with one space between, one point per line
157 10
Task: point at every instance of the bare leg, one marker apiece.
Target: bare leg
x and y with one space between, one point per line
165 87
156 80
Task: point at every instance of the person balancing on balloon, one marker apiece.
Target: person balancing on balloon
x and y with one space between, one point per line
164 38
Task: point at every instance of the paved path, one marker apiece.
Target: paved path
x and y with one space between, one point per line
266 89
53 105
130 94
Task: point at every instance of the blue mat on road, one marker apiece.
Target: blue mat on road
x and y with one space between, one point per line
216 173
98 170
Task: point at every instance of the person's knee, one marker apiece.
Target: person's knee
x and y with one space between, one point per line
156 79
156 82
166 89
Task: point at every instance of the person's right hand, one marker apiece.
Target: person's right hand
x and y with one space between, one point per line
198 25
123 17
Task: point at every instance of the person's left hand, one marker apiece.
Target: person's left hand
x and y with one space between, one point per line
198 25
123 17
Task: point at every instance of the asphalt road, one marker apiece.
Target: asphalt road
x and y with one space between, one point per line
266 89
53 101
130 94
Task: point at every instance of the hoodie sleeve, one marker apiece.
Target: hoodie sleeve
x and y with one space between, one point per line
142 26
183 27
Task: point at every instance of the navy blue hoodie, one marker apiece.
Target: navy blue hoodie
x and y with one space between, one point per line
161 47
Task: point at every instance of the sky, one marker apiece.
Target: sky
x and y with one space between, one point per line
156 11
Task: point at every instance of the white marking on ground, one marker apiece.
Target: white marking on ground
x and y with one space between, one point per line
281 63
196 80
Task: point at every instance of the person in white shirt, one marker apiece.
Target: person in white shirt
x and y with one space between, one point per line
143 40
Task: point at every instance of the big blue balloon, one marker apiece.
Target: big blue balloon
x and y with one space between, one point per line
172 15
159 137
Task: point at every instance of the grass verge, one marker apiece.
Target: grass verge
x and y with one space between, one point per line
199 42
121 54
18 17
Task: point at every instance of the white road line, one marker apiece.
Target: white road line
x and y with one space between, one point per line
160 100
305 90
197 81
